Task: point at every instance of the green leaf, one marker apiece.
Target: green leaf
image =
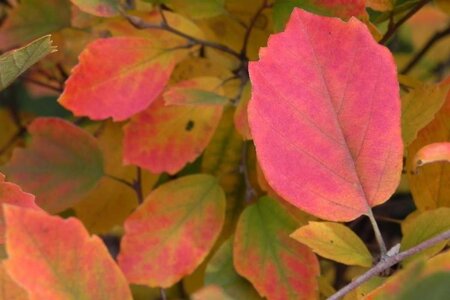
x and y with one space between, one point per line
433 287
32 19
220 272
276 265
334 241
426 226
15 62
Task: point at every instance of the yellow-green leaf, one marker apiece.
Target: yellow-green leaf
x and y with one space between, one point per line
334 241
15 62
426 226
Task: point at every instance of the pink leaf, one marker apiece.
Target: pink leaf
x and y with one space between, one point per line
325 117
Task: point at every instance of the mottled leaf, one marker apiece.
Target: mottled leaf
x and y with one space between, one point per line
15 62
326 120
99 86
392 287
424 227
60 165
210 292
196 91
32 19
52 258
420 105
429 186
171 233
101 8
220 272
165 138
12 194
334 241
277 266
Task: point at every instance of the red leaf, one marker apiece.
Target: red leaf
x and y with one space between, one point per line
117 77
56 259
173 231
165 138
60 165
12 194
325 117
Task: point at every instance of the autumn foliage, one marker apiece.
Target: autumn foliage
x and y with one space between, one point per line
224 149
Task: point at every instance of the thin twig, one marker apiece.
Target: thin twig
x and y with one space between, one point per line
250 27
378 236
250 192
163 294
141 24
121 180
433 40
397 25
389 262
43 84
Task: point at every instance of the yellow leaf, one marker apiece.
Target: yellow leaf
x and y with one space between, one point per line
420 105
110 202
426 226
334 241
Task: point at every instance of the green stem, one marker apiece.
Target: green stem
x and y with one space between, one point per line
378 236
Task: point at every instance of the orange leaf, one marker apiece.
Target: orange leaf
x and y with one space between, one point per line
165 138
54 259
12 194
325 117
436 152
172 232
117 77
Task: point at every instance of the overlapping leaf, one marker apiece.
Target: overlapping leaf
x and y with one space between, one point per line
117 77
111 202
426 226
12 194
432 153
165 138
429 186
101 8
326 120
220 272
198 9
414 272
60 165
52 258
196 91
341 9
222 158
334 241
277 266
172 232
420 105
15 62
32 19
